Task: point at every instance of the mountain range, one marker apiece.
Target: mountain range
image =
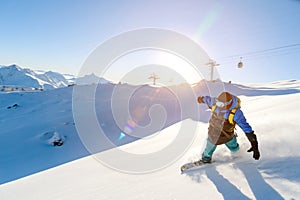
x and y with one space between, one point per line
16 77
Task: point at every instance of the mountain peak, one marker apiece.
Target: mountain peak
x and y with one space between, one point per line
11 67
14 75
91 79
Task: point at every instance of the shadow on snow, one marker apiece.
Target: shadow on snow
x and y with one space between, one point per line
127 113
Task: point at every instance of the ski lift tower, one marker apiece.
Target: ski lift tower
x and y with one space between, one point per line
212 64
154 77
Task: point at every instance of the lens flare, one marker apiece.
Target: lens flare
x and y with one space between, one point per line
209 20
122 135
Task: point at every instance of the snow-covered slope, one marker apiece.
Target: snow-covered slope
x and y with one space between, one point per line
14 75
272 110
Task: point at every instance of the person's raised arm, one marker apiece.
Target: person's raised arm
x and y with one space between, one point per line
206 100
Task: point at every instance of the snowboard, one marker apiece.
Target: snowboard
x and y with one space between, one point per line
193 165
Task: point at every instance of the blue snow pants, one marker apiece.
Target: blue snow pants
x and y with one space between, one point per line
232 145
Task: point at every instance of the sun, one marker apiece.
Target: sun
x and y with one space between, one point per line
136 68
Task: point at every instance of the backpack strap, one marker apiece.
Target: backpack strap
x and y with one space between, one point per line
213 108
231 116
232 112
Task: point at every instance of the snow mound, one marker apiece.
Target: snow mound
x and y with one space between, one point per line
53 138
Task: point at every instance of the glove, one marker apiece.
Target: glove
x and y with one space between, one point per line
254 145
200 99
254 148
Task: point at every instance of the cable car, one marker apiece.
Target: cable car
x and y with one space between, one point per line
240 64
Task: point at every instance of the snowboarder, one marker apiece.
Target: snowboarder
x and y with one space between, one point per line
226 113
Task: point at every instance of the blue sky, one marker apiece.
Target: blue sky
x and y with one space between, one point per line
60 35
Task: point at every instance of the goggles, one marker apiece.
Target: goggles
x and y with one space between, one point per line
222 104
